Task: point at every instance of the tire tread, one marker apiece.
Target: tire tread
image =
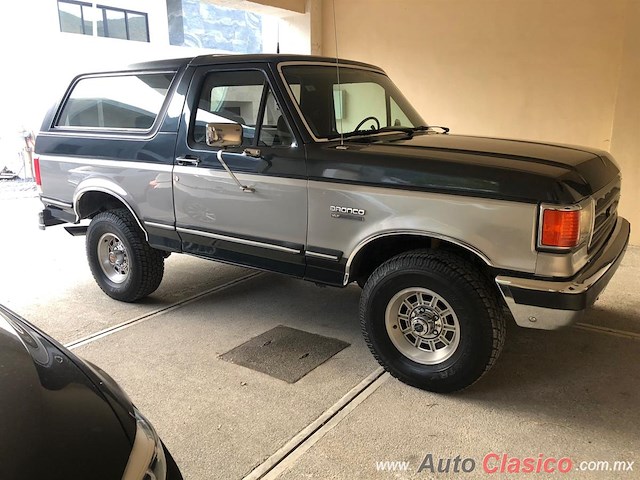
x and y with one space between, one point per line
443 262
151 260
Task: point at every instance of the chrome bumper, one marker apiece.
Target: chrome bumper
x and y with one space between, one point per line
550 304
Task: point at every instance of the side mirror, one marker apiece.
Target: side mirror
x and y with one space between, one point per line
224 134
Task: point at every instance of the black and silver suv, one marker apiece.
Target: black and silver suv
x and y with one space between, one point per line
321 169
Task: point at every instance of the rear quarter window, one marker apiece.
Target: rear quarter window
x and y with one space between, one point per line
130 102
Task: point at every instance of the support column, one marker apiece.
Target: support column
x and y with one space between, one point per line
303 33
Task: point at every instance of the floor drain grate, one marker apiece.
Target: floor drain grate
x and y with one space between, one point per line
285 353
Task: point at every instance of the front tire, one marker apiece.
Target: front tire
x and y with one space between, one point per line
431 320
123 264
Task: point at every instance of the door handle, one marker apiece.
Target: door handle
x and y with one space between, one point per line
188 160
252 152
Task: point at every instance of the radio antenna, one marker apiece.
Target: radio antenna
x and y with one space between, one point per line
335 34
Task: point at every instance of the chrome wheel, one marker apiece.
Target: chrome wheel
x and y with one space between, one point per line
422 325
113 258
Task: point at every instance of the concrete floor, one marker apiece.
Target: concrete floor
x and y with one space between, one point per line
571 393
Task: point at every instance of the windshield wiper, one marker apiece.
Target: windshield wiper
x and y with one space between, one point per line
375 131
407 130
411 130
422 128
445 130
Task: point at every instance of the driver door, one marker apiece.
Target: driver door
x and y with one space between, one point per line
264 227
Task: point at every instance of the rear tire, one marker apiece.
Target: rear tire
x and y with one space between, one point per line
123 264
431 320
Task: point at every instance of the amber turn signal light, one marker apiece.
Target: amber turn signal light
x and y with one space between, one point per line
560 228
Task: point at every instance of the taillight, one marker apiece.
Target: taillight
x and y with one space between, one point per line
36 170
560 228
566 227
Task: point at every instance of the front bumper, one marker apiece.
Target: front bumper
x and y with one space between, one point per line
149 457
551 304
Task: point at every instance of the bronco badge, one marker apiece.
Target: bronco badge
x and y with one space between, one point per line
347 212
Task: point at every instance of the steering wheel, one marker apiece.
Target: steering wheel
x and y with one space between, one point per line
365 121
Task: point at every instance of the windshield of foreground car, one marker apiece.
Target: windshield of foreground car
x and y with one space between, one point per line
364 101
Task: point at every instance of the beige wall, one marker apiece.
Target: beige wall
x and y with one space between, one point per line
626 121
562 71
293 5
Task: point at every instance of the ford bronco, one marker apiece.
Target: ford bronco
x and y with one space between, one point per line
321 169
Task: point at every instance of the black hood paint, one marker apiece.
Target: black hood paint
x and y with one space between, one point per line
55 422
464 165
520 150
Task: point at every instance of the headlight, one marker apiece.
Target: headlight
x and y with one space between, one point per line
147 460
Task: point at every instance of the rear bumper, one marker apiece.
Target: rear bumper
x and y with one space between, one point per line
51 216
550 304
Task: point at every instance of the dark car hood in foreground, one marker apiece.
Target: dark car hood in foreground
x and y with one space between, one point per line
475 166
54 422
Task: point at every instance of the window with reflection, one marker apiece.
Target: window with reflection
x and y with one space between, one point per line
75 17
123 24
359 100
129 102
242 97
78 17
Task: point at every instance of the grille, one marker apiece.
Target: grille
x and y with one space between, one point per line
606 214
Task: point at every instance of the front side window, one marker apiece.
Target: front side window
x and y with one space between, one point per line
274 129
245 98
362 100
116 102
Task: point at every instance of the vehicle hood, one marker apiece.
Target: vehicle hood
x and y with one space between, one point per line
55 422
476 166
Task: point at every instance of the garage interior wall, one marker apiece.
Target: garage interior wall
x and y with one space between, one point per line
566 72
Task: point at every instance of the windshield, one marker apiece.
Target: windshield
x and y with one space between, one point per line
363 100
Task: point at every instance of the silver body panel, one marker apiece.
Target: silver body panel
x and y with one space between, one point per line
209 199
567 264
145 188
499 232
595 277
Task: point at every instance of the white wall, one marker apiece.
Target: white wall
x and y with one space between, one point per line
39 61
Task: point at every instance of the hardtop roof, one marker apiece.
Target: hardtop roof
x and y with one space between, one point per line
216 59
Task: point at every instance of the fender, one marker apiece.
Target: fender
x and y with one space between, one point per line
419 233
105 186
